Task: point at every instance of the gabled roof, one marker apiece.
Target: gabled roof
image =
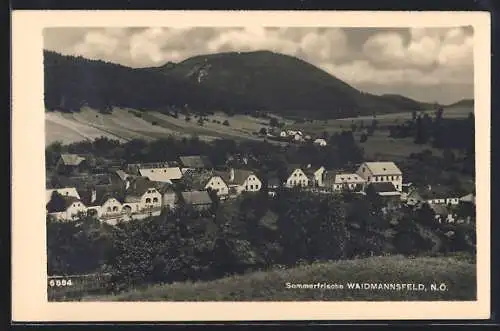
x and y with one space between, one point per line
339 177
139 186
102 194
196 197
65 191
292 167
71 159
195 161
383 168
437 192
199 179
163 187
165 175
240 175
68 201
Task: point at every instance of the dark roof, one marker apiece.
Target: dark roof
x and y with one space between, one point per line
195 161
71 159
198 179
383 187
139 186
81 182
163 187
240 175
68 200
196 197
102 194
291 167
437 192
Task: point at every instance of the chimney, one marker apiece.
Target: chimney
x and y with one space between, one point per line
231 175
93 196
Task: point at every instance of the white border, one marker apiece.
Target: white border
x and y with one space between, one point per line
28 230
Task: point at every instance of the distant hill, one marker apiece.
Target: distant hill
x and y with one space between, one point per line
232 82
466 103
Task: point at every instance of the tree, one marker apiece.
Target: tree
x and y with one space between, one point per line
226 123
263 131
200 121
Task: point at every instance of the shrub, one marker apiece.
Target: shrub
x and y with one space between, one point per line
226 123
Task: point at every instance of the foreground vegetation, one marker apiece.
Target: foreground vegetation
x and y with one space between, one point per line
458 275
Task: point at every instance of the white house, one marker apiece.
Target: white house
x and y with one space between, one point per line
162 175
320 142
343 181
65 192
381 172
216 183
70 209
315 175
296 177
141 196
239 180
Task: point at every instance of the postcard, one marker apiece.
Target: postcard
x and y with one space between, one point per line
225 166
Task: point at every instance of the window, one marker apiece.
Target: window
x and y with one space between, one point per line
108 209
295 174
148 200
369 178
246 187
251 187
155 200
115 208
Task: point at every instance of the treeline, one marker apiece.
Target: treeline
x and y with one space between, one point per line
341 151
254 232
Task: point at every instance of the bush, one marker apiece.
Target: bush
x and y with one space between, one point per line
154 123
226 123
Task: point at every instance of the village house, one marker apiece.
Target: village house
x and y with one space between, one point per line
195 162
381 172
69 164
169 196
141 196
320 141
122 176
239 180
206 180
199 200
314 174
133 168
469 199
343 181
69 208
296 177
163 175
436 195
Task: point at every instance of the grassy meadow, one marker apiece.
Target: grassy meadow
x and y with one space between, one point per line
457 273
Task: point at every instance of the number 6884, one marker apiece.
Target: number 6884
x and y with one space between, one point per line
60 282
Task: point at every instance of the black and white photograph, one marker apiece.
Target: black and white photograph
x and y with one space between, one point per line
269 163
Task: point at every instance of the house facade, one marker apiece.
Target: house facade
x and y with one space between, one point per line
71 208
218 185
296 178
343 181
315 175
381 172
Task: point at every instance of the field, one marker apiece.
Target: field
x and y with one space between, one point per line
126 124
457 273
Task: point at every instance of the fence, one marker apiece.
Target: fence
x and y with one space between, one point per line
73 287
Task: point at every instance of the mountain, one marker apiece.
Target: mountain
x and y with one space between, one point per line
231 82
464 103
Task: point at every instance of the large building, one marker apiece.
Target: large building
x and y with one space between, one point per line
381 172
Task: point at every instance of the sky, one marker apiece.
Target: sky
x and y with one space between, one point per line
426 64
